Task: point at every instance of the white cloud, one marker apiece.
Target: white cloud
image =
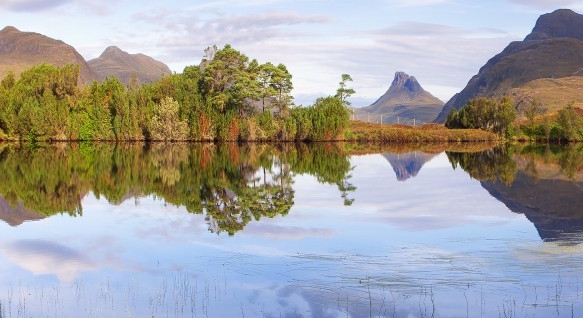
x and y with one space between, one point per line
419 3
31 5
547 4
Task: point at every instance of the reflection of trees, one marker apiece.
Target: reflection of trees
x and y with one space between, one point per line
26 178
571 160
327 161
489 165
568 158
231 185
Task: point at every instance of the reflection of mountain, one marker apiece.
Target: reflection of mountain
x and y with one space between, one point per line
16 215
407 165
554 206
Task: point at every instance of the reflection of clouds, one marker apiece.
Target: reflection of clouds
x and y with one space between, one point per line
48 258
437 198
278 232
317 302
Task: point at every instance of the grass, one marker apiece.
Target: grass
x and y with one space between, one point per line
554 93
427 133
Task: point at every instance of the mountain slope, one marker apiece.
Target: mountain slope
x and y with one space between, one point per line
553 93
115 62
404 101
554 49
22 50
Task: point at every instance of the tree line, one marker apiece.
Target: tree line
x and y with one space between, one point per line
228 97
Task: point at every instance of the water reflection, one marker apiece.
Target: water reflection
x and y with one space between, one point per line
133 239
409 164
231 185
543 182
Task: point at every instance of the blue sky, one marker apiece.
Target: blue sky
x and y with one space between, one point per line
440 42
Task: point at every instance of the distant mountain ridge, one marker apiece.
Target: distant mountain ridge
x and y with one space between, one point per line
20 51
404 101
554 49
115 62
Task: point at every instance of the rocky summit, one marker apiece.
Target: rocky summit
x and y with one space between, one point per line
554 49
405 102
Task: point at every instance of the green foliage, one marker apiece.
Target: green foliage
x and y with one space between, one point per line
266 126
36 105
343 92
488 114
570 123
303 122
565 125
329 119
225 79
166 124
534 109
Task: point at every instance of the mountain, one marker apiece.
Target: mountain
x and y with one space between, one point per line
115 62
408 165
404 101
22 50
554 49
553 205
17 215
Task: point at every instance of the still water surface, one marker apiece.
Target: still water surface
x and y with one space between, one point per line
290 231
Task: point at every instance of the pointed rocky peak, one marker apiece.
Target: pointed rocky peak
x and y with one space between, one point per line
409 83
9 29
562 23
400 79
405 84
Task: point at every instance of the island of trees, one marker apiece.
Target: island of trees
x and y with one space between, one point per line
228 97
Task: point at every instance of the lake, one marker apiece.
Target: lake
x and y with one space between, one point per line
290 230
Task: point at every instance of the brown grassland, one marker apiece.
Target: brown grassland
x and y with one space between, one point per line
428 133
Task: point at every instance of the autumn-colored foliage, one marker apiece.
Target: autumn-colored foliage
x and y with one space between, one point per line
369 132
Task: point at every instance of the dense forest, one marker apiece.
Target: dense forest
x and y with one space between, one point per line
228 97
